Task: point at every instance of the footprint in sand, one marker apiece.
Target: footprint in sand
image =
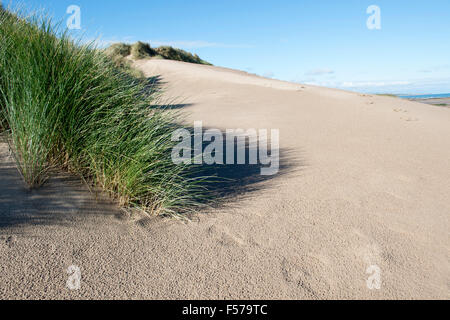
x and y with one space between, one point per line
9 241
370 253
225 237
146 223
409 119
309 274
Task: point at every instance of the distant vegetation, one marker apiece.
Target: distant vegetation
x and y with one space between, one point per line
65 105
141 50
387 95
118 53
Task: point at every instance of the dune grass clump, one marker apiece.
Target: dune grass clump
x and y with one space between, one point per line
3 124
387 95
68 106
119 49
141 50
170 53
118 53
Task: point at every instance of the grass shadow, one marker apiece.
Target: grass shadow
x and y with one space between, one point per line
152 85
232 181
63 199
171 106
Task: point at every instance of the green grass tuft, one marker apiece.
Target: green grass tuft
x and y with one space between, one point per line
141 50
67 105
118 53
118 49
387 95
179 55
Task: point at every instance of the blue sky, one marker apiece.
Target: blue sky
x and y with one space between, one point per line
323 42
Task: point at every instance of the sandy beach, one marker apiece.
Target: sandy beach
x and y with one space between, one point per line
364 181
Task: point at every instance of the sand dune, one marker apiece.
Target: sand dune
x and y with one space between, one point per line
364 181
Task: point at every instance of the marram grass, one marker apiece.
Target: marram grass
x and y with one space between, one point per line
141 50
66 105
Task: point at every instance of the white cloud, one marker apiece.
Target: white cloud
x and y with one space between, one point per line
268 74
196 44
361 84
105 42
438 68
319 72
413 86
426 85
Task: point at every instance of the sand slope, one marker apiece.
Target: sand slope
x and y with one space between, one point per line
365 180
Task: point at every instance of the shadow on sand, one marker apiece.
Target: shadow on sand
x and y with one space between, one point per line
62 200
229 182
65 198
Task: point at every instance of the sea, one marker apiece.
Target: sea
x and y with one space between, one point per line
426 96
